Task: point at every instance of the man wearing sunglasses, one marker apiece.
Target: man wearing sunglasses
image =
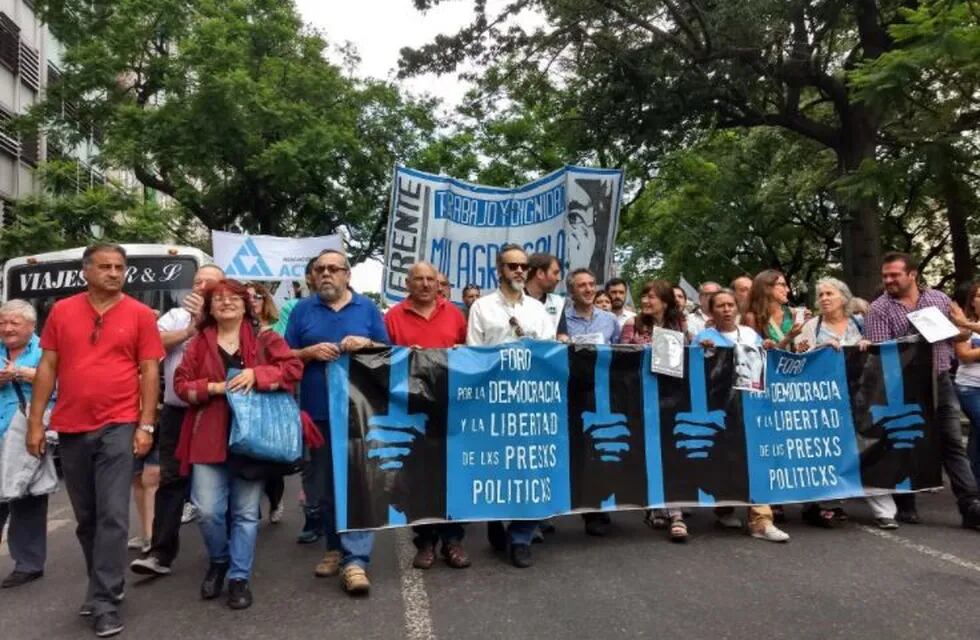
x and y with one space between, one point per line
506 315
104 349
321 328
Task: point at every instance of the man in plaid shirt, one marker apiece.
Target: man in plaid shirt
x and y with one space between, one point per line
888 320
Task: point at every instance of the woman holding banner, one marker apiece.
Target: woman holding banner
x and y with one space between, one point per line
658 308
726 332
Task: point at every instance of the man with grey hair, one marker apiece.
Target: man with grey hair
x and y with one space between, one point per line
697 320
176 327
320 329
104 350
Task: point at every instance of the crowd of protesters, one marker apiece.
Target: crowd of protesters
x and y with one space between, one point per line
102 351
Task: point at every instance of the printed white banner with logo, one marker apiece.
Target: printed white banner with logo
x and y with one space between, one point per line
458 226
268 258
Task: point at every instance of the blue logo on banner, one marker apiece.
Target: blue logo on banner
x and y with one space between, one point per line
799 434
248 262
607 432
507 443
391 436
901 422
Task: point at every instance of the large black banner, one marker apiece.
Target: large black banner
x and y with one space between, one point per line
535 429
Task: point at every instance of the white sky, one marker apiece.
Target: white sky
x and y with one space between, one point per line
379 29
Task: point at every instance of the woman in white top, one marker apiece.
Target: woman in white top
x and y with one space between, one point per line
837 328
968 374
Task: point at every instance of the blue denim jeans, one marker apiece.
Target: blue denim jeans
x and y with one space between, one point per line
521 531
228 537
970 403
355 546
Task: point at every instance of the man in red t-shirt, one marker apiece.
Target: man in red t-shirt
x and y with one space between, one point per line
426 319
104 349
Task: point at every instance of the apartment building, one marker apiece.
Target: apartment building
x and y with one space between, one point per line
30 61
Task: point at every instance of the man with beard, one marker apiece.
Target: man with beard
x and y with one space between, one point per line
742 286
616 289
506 315
543 275
320 329
888 320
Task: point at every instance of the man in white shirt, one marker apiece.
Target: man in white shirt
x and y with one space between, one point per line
616 290
543 276
697 320
177 327
506 315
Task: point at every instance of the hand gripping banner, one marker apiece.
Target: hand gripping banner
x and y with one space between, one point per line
531 430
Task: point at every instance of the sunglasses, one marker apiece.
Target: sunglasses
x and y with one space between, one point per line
330 268
518 331
258 296
515 266
96 330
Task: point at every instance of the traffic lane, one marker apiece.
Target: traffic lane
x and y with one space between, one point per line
634 583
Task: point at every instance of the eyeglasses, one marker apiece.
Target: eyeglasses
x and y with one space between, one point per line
514 266
782 284
258 296
96 330
518 331
330 268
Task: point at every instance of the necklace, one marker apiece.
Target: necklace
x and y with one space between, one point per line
229 345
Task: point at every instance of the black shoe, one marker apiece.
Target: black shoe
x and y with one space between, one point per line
971 517
520 556
214 580
18 578
546 527
108 624
908 517
239 595
596 527
497 535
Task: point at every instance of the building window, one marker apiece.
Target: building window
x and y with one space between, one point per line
9 43
30 67
6 211
30 148
8 139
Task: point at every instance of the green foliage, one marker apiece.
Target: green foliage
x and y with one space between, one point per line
62 217
231 108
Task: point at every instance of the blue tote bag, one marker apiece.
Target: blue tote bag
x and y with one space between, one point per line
265 425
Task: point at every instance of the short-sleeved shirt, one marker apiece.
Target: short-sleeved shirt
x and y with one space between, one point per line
98 373
600 323
741 335
624 317
446 327
176 319
554 306
312 322
490 320
888 320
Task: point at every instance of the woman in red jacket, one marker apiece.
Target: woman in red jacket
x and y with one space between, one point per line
226 488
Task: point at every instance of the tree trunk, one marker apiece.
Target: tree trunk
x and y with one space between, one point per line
860 219
957 210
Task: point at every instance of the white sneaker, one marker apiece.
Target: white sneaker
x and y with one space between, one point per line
136 542
275 517
190 513
771 533
730 521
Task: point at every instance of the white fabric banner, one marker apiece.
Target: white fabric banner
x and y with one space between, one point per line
458 226
267 258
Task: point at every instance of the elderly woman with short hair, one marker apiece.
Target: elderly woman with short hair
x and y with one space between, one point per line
20 350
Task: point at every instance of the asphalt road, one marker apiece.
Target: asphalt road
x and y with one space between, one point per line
855 582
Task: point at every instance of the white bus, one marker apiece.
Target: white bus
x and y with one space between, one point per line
157 275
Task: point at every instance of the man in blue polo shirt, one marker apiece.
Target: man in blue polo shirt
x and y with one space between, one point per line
320 329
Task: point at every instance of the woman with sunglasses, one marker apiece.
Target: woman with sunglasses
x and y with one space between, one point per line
227 488
264 309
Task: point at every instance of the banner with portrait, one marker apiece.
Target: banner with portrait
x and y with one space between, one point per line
536 429
458 226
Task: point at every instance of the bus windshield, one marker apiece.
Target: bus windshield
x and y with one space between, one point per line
159 282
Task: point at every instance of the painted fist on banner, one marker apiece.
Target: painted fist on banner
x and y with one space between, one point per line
607 432
696 431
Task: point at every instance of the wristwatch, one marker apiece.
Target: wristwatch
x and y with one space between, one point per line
149 428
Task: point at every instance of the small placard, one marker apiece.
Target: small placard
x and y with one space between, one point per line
667 355
933 324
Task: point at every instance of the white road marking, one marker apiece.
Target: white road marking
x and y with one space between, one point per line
921 548
418 619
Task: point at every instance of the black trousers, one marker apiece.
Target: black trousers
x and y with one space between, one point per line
172 492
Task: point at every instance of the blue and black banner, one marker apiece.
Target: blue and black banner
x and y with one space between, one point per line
531 430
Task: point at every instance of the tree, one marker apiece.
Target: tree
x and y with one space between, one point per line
230 107
647 76
62 216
